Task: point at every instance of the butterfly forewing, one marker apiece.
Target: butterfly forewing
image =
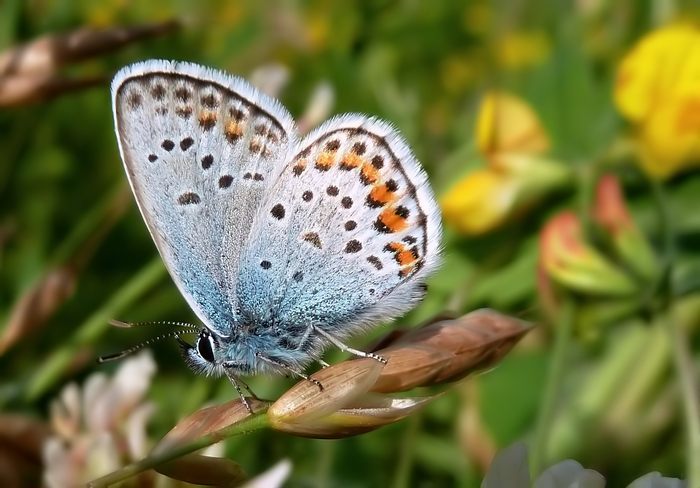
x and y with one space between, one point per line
201 149
345 236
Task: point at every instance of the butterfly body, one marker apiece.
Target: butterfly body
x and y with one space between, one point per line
282 245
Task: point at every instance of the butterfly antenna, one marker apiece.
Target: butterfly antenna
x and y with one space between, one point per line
128 325
138 347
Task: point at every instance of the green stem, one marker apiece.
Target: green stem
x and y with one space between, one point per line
682 354
586 181
402 475
252 423
55 365
324 464
555 376
634 391
691 403
596 398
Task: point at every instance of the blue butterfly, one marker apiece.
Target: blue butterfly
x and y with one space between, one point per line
282 245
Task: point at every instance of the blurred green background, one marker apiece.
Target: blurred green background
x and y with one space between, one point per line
426 67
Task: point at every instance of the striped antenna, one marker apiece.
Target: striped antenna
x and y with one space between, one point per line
138 347
129 325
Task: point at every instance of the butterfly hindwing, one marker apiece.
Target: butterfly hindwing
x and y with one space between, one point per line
345 236
201 148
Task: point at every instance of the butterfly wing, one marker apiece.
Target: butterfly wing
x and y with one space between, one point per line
345 237
200 149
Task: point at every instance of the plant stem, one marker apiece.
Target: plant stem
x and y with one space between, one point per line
402 475
691 403
682 355
252 423
324 463
563 332
56 364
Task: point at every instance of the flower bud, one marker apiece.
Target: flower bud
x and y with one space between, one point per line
448 350
203 470
209 420
341 385
348 398
573 263
440 352
611 213
365 415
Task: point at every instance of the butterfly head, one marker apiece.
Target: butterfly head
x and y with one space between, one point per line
203 355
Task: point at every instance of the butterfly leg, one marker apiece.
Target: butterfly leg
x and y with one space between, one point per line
340 345
305 339
235 382
247 388
292 370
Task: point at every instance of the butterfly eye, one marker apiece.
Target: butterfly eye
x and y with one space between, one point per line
205 346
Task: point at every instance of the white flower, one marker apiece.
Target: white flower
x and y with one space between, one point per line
102 427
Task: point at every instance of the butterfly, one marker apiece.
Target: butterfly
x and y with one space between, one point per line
282 245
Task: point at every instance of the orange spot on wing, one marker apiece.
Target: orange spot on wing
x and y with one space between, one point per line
233 130
392 221
407 258
381 195
324 161
395 246
352 160
369 174
207 119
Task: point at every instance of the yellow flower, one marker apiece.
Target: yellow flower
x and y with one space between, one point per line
511 137
480 202
507 124
658 90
